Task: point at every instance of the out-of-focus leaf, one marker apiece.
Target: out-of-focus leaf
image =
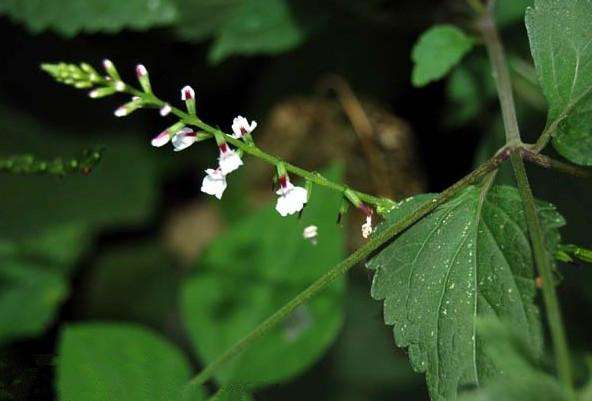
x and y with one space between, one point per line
470 258
253 270
231 393
509 12
135 283
364 356
560 41
438 50
69 17
199 20
117 362
257 26
521 380
120 191
29 298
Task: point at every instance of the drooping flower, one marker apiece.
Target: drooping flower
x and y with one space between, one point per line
183 139
367 227
311 233
229 160
291 198
214 183
241 127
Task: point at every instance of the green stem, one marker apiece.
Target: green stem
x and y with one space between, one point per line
547 162
545 269
359 255
541 256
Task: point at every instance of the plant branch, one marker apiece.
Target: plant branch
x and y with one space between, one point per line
251 149
501 75
541 256
378 240
547 162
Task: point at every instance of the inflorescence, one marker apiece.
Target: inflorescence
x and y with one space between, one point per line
189 129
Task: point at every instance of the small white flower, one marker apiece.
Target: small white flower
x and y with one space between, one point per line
187 93
241 127
214 183
161 139
228 160
184 139
311 233
165 110
367 227
121 111
291 199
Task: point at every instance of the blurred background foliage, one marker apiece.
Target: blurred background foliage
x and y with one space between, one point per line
132 273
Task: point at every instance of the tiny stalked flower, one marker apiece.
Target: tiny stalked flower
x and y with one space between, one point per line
214 183
228 160
142 74
184 139
291 198
367 227
187 93
311 234
241 127
165 110
141 71
161 139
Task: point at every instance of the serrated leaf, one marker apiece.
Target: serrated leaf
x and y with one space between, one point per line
119 362
257 26
29 298
261 263
438 50
469 258
69 17
561 45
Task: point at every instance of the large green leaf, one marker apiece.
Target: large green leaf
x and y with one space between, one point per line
508 12
561 45
522 380
121 190
69 17
98 362
471 257
437 51
29 298
257 26
250 272
201 19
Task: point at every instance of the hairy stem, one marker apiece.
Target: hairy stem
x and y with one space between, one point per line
541 256
358 256
547 162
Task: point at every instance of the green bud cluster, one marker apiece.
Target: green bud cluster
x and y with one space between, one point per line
30 164
80 76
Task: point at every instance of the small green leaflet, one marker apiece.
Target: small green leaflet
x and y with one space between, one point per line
120 362
561 45
437 51
69 17
470 258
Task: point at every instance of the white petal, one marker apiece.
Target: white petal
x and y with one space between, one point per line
187 93
229 161
183 139
165 110
367 227
292 199
214 183
161 139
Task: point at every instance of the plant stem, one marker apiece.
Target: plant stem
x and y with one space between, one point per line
359 255
541 256
545 269
547 162
501 75
251 149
